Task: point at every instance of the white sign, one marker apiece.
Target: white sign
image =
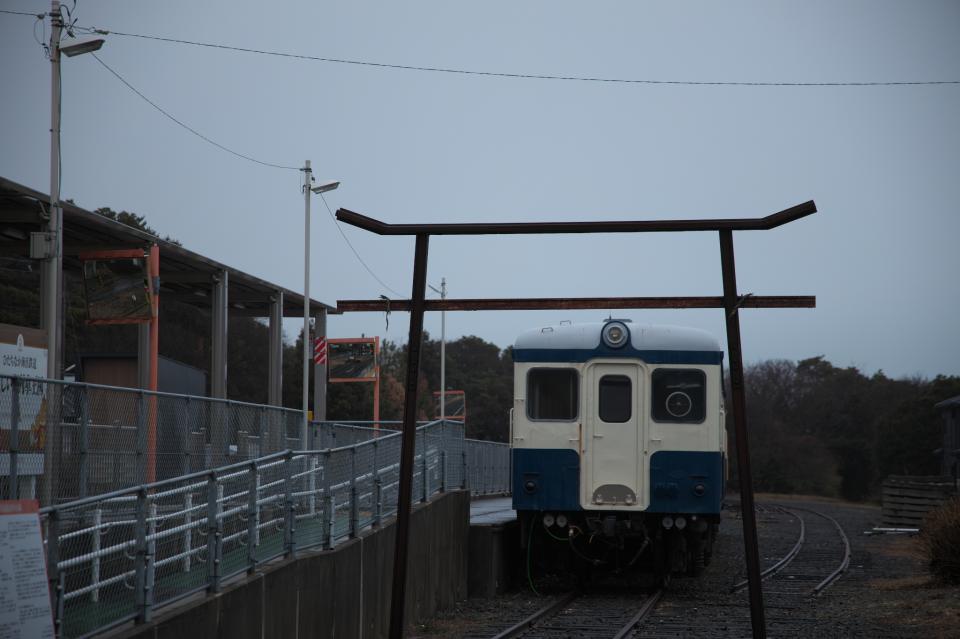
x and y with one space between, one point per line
23 361
24 598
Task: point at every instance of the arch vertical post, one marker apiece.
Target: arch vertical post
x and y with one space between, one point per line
417 306
752 552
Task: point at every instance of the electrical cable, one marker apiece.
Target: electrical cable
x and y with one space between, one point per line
524 76
530 552
357 254
498 74
41 16
187 127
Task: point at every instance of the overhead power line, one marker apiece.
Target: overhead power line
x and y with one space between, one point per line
524 76
502 74
186 126
355 252
245 157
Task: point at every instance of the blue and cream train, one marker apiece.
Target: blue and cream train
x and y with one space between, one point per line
618 443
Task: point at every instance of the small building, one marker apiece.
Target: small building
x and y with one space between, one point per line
950 465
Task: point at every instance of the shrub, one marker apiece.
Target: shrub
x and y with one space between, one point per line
940 541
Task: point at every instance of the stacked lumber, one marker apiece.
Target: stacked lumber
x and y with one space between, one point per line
907 499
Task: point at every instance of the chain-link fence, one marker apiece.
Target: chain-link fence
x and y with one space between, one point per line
488 467
120 555
61 441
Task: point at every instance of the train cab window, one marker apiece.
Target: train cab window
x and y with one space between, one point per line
616 394
679 395
552 394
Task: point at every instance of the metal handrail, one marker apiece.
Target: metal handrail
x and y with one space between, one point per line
178 535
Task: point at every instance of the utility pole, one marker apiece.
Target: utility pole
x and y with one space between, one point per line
307 342
443 350
54 266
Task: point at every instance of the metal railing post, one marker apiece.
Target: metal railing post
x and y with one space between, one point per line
53 568
151 553
140 548
354 505
377 484
328 502
264 430
141 470
188 530
214 532
443 456
423 466
253 518
95 548
186 466
13 487
290 517
84 478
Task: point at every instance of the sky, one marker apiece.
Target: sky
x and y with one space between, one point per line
882 163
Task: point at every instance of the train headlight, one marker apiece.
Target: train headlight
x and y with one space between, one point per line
548 520
680 523
562 521
530 486
667 522
615 334
699 490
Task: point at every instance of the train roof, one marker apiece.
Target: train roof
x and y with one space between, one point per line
651 343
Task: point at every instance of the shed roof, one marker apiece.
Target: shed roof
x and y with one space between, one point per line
184 275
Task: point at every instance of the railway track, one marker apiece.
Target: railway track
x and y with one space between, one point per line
804 564
606 616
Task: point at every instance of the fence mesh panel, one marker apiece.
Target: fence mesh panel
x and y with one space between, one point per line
227 492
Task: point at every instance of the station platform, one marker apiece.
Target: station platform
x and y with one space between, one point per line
494 547
492 511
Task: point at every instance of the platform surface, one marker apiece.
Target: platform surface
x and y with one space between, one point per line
497 510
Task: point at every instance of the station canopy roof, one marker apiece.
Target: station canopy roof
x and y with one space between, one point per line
184 275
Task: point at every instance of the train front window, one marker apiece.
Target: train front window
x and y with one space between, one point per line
552 394
679 395
615 404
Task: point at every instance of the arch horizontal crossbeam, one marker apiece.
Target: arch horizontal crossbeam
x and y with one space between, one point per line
612 226
578 303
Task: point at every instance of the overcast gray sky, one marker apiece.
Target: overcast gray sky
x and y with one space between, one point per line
881 162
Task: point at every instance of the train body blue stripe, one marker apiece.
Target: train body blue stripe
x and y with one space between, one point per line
673 476
555 473
558 355
675 473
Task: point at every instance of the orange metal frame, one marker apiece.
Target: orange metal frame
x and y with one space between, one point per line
153 273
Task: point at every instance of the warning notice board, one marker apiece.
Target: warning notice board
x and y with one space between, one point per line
24 598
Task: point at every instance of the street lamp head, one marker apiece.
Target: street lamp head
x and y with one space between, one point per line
323 187
84 45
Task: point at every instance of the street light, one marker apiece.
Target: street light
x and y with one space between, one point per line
308 186
53 280
53 242
443 349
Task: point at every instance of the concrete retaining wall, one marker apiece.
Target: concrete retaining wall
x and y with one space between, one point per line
344 592
495 560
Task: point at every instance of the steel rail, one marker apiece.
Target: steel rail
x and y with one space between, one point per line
844 564
550 609
615 226
642 614
784 561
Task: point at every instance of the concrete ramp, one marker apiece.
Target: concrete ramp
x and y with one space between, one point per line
343 592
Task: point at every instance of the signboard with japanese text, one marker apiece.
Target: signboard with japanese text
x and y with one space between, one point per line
23 353
25 610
